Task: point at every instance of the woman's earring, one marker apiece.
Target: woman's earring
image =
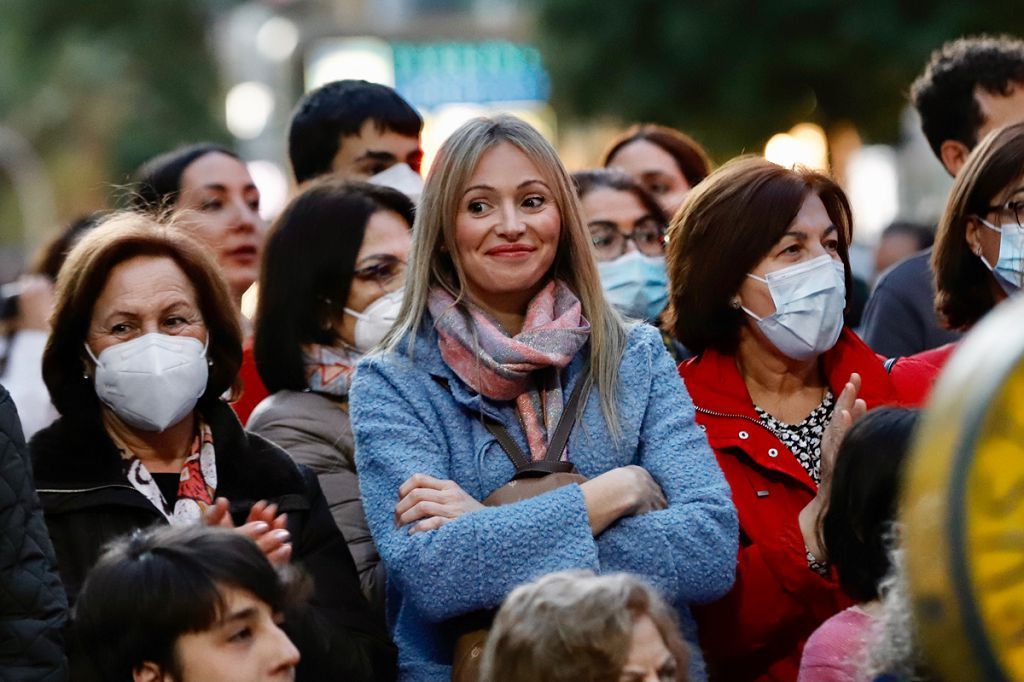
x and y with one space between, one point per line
735 303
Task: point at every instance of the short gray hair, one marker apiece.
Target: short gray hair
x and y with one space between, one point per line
574 626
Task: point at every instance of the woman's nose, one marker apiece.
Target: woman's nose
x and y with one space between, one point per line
287 656
511 225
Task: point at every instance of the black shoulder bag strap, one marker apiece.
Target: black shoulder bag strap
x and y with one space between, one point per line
552 461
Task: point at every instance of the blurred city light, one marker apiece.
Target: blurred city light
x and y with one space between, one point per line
804 145
248 108
873 188
277 39
364 58
272 183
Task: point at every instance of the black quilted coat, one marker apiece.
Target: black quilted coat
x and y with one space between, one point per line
87 503
33 608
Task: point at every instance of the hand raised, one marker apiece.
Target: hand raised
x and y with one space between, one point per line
848 409
264 526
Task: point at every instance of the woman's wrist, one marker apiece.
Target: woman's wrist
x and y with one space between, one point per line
809 519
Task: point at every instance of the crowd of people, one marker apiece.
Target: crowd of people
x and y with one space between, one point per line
501 423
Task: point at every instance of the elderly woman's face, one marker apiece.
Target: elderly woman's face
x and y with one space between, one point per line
656 170
811 235
144 295
649 658
506 228
221 208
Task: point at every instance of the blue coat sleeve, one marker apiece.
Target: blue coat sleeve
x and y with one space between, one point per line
474 561
688 550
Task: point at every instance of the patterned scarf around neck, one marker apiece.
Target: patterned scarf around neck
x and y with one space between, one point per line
329 368
524 368
196 487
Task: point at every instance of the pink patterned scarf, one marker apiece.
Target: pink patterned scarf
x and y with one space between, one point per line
526 367
329 368
196 487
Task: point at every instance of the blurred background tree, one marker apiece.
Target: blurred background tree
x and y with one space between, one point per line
98 87
733 72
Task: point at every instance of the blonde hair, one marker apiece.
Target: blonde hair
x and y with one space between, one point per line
574 626
434 259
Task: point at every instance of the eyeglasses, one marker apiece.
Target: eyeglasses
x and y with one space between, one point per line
388 272
1014 208
609 243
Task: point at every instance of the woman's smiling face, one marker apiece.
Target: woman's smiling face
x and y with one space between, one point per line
507 229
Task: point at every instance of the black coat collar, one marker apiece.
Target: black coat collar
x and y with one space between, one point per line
73 454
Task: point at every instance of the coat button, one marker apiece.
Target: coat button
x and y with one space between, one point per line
703 428
744 435
773 452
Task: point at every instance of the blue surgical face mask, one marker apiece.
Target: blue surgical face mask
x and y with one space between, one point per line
1009 269
809 299
635 284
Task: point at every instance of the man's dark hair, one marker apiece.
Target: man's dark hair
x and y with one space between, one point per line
308 266
862 503
158 181
337 109
151 587
924 235
944 94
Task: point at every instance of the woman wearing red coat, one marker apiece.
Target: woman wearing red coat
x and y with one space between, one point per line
759 267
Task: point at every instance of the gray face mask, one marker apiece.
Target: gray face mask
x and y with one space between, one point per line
402 177
809 299
152 382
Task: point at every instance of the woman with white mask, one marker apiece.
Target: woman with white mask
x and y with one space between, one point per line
759 268
332 283
978 257
627 232
145 343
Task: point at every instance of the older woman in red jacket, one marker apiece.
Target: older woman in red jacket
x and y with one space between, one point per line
759 267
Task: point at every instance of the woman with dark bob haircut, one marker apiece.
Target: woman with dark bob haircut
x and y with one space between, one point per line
666 162
759 268
145 342
978 257
331 285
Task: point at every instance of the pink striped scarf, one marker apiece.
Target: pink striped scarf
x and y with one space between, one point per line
526 367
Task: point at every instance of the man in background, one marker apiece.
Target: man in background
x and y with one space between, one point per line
970 87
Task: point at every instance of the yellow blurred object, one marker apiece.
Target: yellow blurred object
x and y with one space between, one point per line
963 508
804 145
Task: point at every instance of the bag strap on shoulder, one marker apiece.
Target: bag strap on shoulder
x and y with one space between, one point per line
560 436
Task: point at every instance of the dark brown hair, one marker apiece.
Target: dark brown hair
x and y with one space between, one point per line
691 158
963 285
724 229
609 178
122 237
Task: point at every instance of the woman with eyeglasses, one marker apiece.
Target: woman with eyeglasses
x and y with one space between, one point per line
978 257
331 285
627 232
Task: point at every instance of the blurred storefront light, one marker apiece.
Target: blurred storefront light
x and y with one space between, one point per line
364 58
873 188
272 182
804 145
277 39
248 108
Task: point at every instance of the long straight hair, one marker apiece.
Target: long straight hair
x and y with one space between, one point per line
434 260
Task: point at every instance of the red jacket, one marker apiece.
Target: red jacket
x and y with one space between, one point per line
757 631
253 390
914 375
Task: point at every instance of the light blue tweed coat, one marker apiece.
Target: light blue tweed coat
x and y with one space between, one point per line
405 423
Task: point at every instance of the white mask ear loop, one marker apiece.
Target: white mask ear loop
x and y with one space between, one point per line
981 255
88 350
747 310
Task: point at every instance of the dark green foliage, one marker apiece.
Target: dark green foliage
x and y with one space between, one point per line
732 72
